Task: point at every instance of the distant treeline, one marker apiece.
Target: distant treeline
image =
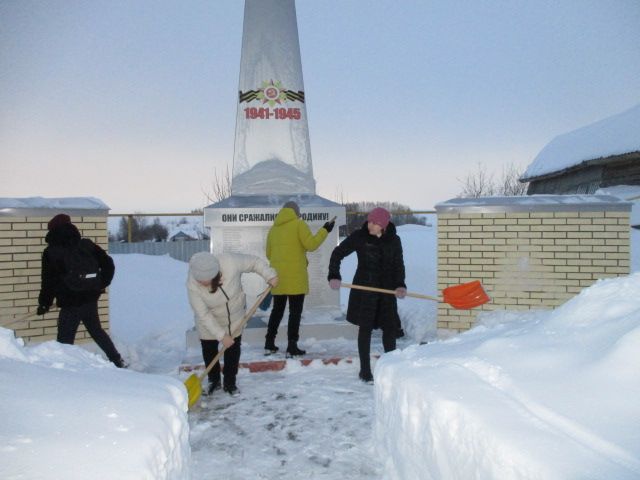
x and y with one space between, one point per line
357 214
141 230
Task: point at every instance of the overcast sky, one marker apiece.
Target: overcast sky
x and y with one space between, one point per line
134 102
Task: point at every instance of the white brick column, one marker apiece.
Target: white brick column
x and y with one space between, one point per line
529 252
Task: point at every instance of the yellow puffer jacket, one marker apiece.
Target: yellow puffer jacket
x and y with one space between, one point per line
288 242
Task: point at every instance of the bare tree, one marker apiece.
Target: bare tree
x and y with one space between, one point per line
510 186
136 225
220 186
477 184
481 183
340 197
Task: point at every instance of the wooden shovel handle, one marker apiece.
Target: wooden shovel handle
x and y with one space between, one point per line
391 292
13 321
245 319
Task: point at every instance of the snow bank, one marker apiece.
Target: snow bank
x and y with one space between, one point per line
526 395
150 312
68 413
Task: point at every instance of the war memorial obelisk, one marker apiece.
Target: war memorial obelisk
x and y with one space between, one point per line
272 155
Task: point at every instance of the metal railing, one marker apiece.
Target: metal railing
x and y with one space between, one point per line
130 216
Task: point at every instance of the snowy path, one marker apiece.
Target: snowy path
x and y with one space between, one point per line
302 422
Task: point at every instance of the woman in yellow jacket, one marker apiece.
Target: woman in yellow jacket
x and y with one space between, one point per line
288 242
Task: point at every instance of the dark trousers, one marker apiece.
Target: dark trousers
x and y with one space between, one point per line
231 361
364 345
296 302
69 320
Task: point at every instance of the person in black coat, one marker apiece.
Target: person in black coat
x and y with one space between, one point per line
380 265
75 305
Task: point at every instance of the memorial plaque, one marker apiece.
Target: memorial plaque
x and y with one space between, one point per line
244 230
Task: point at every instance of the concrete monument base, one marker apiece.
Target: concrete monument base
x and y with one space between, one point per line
256 330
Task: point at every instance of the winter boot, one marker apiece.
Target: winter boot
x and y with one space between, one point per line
294 351
366 377
270 347
213 386
120 363
232 390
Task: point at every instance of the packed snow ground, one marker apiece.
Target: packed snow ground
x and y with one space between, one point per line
525 395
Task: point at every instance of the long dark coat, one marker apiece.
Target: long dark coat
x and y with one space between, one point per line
380 264
52 285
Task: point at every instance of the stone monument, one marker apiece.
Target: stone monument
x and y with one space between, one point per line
272 156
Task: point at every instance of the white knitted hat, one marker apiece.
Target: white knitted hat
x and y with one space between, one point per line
203 266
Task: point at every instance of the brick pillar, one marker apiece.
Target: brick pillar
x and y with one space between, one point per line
22 232
529 252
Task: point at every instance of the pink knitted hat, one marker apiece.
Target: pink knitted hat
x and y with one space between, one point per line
379 216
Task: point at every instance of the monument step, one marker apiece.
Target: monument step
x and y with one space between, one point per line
258 366
256 331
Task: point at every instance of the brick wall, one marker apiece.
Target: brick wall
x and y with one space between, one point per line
21 246
532 254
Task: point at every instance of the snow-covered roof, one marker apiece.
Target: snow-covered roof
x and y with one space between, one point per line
34 205
612 136
538 203
190 231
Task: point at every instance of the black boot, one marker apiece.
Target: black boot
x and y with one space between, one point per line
120 363
232 390
366 377
213 386
294 351
270 347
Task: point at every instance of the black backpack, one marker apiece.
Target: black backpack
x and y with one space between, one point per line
81 267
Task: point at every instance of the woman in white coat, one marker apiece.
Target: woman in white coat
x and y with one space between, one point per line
218 302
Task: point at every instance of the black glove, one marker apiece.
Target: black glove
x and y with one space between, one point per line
42 309
329 225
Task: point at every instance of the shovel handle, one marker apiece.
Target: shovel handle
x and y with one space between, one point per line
244 321
391 292
13 321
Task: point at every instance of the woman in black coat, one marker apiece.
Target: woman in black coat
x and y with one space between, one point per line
380 264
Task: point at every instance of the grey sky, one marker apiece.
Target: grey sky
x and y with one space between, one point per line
134 102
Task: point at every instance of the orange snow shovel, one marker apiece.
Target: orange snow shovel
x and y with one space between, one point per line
462 297
193 383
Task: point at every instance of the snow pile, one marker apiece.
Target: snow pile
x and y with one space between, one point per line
149 311
611 136
68 413
419 249
528 395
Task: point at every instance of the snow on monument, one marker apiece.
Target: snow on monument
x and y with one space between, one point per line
272 155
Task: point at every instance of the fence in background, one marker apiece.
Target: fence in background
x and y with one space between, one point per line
178 250
354 220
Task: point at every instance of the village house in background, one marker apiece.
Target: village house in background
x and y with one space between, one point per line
187 231
601 155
